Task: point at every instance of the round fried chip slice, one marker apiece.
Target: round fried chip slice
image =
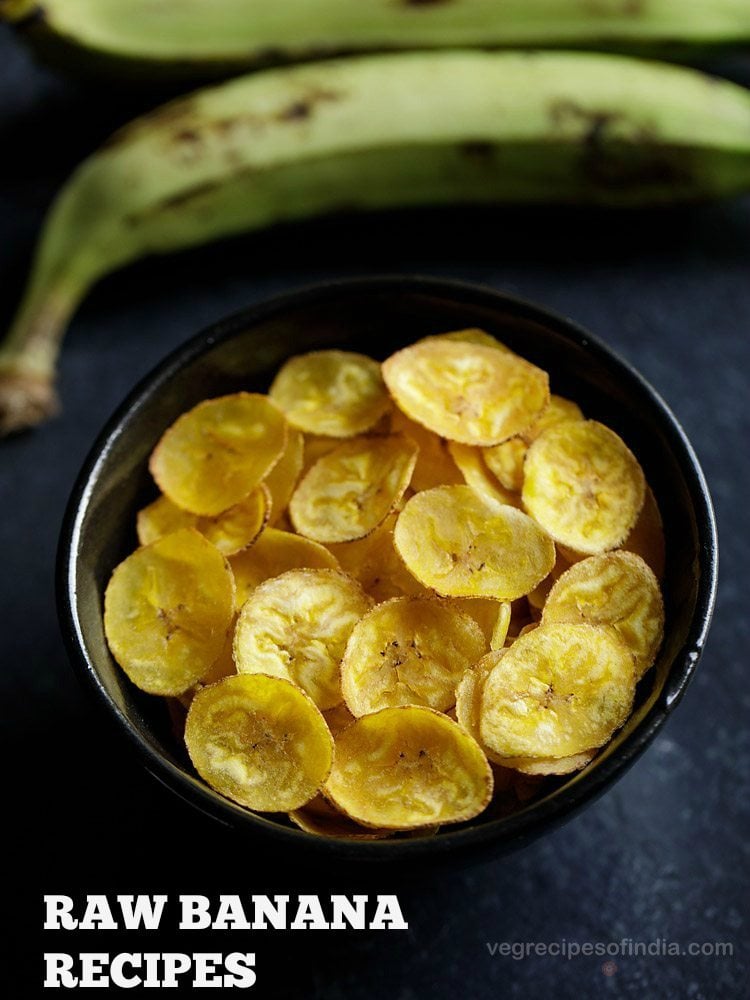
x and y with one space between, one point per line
284 476
502 625
484 610
338 718
558 410
469 699
231 531
322 819
350 491
647 537
408 767
559 690
542 766
297 625
462 546
615 589
274 553
505 462
469 393
167 610
408 651
336 393
259 741
476 475
373 561
215 454
161 518
472 335
583 485
435 466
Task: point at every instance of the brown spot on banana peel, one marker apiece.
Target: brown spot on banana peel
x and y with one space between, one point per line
618 152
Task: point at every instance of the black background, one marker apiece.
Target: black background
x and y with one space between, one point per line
664 855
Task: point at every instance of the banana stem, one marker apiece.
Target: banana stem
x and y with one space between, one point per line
28 358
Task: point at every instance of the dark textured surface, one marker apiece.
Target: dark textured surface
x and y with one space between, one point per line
664 855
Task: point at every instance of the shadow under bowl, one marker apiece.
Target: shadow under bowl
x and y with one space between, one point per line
377 317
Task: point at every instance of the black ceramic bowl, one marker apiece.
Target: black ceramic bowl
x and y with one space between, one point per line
377 317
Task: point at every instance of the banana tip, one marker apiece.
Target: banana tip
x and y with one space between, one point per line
26 400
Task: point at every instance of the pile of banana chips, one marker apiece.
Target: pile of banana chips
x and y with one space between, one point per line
385 594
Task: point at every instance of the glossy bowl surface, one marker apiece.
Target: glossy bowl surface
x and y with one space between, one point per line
376 317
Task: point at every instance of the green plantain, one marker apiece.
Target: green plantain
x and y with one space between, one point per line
364 133
190 38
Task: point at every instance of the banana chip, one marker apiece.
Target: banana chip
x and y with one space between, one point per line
485 611
538 596
231 531
505 462
215 454
373 561
476 475
462 546
615 589
469 393
647 537
434 467
408 767
350 491
502 625
408 651
469 700
336 393
472 335
259 741
284 476
560 690
296 626
583 486
542 766
274 553
338 718
559 409
321 818
167 610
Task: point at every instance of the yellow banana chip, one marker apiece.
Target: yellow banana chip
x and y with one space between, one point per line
231 531
469 700
466 392
502 624
615 589
160 518
559 690
408 651
647 537
559 409
538 596
462 546
350 491
434 466
505 462
338 718
408 767
167 610
373 561
259 741
284 476
336 393
321 818
542 766
471 335
583 485
296 626
215 454
223 665
476 475
483 610
274 553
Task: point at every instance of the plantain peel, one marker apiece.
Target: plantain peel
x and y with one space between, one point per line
127 37
293 143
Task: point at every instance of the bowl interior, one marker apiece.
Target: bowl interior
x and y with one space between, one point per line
377 318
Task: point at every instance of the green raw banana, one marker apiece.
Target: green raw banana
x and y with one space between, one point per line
214 37
364 133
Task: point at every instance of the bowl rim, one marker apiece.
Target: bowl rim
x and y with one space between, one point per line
502 833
